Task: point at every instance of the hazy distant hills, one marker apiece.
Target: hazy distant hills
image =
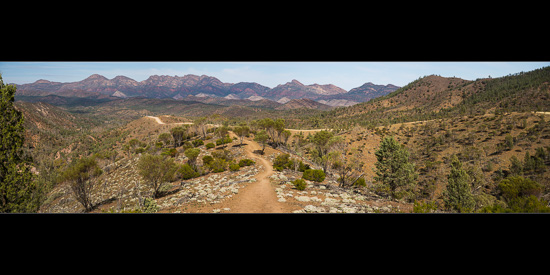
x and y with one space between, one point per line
203 89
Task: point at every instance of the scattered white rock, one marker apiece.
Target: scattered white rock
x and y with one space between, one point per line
330 202
315 199
314 209
302 198
347 209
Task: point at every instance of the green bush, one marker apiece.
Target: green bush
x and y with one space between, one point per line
206 160
210 145
424 207
303 167
245 162
521 196
360 182
314 175
169 152
516 186
218 165
224 140
187 172
300 184
284 161
192 154
281 162
159 145
198 142
234 167
223 154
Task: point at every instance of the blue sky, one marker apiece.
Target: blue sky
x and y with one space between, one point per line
346 75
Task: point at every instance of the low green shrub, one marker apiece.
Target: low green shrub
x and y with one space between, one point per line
360 182
303 167
210 145
314 175
281 162
224 140
424 207
223 154
521 195
198 142
300 184
206 160
234 167
218 165
169 152
284 161
245 162
187 172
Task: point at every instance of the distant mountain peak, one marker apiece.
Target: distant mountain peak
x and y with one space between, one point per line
96 76
121 77
41 81
294 81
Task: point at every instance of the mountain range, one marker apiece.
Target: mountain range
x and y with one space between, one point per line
204 88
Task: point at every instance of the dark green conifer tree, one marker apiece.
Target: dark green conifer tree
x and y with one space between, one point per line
458 196
393 169
18 192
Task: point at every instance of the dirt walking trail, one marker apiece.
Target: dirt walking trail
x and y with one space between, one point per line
160 121
157 119
256 197
259 196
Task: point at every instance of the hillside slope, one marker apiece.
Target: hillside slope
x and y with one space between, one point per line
433 97
303 103
45 123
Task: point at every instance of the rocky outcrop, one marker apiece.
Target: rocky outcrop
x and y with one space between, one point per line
317 198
